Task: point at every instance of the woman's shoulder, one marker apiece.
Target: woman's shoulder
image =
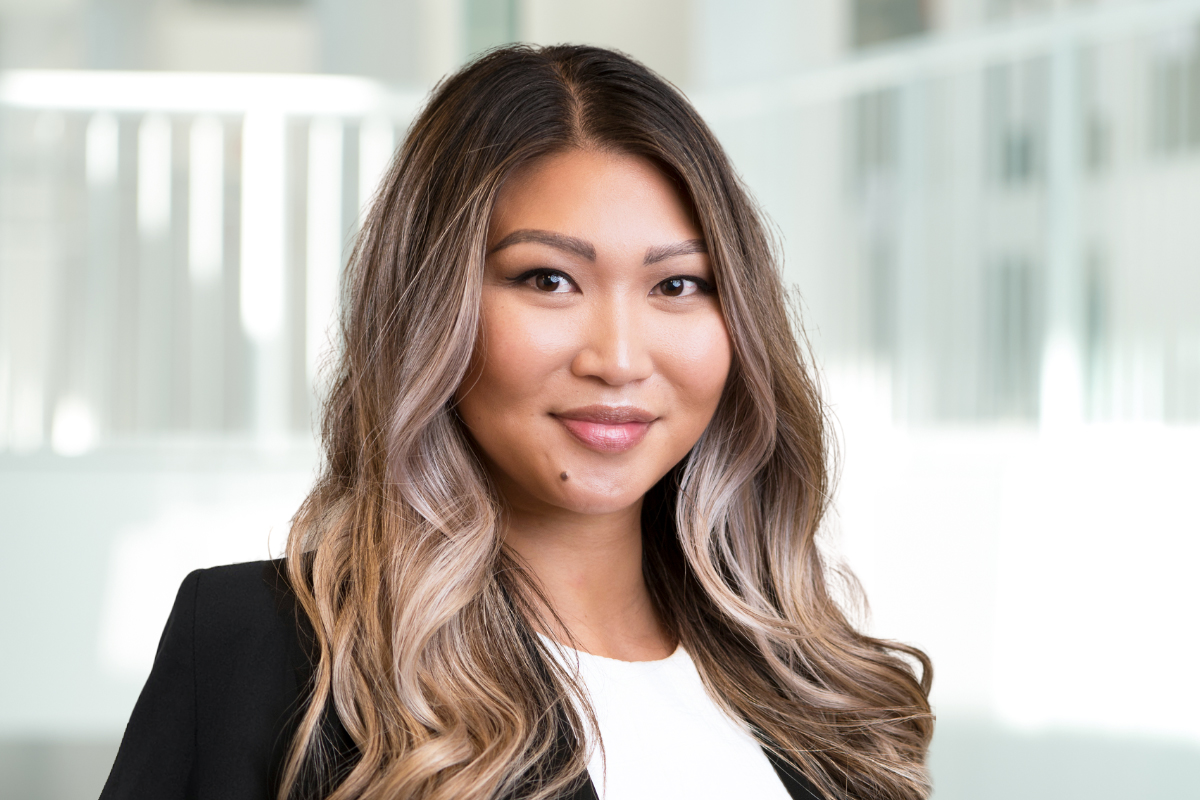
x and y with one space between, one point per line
238 599
226 688
247 626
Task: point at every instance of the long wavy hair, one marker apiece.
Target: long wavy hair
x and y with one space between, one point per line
422 618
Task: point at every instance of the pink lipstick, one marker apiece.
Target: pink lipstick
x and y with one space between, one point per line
608 429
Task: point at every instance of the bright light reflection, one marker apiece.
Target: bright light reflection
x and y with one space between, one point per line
73 430
196 92
1061 402
1038 571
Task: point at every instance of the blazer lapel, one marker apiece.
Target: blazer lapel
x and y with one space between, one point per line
798 786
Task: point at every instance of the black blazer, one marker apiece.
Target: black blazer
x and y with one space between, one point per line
217 714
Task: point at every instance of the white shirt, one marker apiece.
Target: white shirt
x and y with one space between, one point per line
663 735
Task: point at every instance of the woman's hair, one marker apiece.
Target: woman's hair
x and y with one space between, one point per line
421 615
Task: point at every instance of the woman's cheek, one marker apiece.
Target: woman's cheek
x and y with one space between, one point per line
534 336
699 358
521 346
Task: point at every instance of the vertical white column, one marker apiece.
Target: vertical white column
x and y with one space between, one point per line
155 296
441 42
262 268
1061 400
206 201
35 294
206 247
914 343
73 429
325 148
101 162
376 138
100 151
154 176
5 382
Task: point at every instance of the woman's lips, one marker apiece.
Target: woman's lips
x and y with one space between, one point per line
608 429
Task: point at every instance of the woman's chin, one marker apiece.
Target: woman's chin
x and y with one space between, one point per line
582 495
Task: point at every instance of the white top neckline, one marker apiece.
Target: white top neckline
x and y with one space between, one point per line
663 735
567 649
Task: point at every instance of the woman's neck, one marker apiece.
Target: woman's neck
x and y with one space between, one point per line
589 566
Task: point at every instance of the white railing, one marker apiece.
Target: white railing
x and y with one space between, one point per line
948 53
209 199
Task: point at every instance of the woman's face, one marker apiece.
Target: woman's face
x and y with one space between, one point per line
603 351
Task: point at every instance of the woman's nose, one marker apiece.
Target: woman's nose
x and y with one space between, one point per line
614 346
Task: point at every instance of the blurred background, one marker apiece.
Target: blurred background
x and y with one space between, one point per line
990 210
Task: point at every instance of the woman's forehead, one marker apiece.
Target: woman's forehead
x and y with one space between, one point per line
587 193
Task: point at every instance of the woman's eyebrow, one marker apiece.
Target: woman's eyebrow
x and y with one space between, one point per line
665 251
585 249
561 241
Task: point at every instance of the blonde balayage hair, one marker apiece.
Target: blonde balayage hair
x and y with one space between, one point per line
422 620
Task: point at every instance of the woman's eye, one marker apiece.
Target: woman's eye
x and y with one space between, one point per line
550 282
680 287
545 281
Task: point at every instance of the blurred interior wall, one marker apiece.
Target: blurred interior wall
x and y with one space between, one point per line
986 207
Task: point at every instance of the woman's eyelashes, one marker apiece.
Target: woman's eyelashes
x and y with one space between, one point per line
552 281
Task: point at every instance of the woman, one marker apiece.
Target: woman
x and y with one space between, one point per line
564 542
